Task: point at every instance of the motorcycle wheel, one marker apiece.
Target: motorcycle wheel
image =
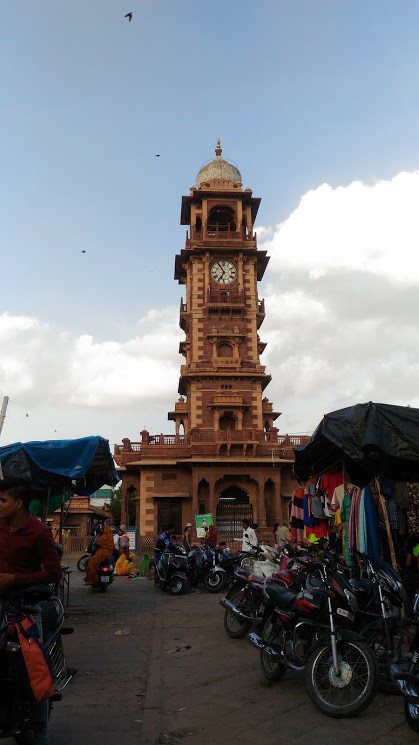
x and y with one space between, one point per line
214 581
234 627
377 641
82 562
412 721
272 668
176 586
350 692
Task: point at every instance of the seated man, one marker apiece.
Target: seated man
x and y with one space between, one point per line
28 556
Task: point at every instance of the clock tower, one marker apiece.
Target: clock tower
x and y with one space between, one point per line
222 378
225 457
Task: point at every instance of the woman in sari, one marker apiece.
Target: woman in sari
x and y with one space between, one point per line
104 548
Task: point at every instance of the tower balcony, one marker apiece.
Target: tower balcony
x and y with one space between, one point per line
225 298
212 233
183 316
261 313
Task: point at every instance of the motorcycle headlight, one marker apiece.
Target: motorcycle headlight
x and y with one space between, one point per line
351 600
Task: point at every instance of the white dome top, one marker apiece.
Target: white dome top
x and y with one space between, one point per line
218 170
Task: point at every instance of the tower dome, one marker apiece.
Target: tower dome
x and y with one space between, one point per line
218 170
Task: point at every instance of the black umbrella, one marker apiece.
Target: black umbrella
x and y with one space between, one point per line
370 440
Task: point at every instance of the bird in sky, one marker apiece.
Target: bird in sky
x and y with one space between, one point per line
157 156
26 415
83 251
129 16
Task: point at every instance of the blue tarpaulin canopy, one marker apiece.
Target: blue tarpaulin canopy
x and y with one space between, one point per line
57 466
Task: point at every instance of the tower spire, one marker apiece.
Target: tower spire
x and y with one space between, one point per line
218 149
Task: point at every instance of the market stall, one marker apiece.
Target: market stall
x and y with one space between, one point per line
358 476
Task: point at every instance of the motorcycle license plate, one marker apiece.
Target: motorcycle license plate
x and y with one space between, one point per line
343 612
105 580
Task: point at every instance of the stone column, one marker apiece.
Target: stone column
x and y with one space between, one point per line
212 498
195 503
278 500
261 503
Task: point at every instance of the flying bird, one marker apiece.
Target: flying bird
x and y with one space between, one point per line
157 156
83 252
129 16
26 415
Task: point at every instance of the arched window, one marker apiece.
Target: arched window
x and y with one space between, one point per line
221 218
227 421
224 350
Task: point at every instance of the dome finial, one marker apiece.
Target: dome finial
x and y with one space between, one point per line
218 149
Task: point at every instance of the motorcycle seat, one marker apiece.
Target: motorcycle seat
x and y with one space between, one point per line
280 597
360 585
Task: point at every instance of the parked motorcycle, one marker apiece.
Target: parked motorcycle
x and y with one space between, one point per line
314 630
407 677
203 569
244 602
19 713
380 597
172 571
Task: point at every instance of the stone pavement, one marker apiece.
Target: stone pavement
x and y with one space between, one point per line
137 689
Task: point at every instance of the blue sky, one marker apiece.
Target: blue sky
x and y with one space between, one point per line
301 92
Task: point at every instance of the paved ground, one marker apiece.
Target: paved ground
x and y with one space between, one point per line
136 689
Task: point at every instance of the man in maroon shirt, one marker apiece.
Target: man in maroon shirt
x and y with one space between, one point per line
27 551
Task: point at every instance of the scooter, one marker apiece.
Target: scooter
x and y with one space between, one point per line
106 575
171 571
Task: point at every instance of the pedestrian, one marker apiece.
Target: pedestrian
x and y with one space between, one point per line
249 539
211 537
124 547
282 535
187 537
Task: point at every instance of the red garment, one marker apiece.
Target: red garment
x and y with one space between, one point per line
211 537
330 480
29 553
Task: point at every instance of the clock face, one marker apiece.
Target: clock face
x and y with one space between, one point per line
223 272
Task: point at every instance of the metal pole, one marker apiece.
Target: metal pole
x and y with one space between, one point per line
3 412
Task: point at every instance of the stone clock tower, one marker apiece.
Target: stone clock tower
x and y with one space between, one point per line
225 457
222 377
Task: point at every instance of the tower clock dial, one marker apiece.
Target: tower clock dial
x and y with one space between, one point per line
223 272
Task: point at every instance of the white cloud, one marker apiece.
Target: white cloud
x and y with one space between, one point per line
342 299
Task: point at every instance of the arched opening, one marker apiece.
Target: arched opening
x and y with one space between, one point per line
181 429
221 218
267 426
224 350
227 421
203 496
198 226
269 499
233 507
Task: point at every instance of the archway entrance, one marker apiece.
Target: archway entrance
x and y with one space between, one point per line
233 507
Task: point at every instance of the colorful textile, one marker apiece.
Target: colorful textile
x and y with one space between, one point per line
308 517
345 512
297 516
